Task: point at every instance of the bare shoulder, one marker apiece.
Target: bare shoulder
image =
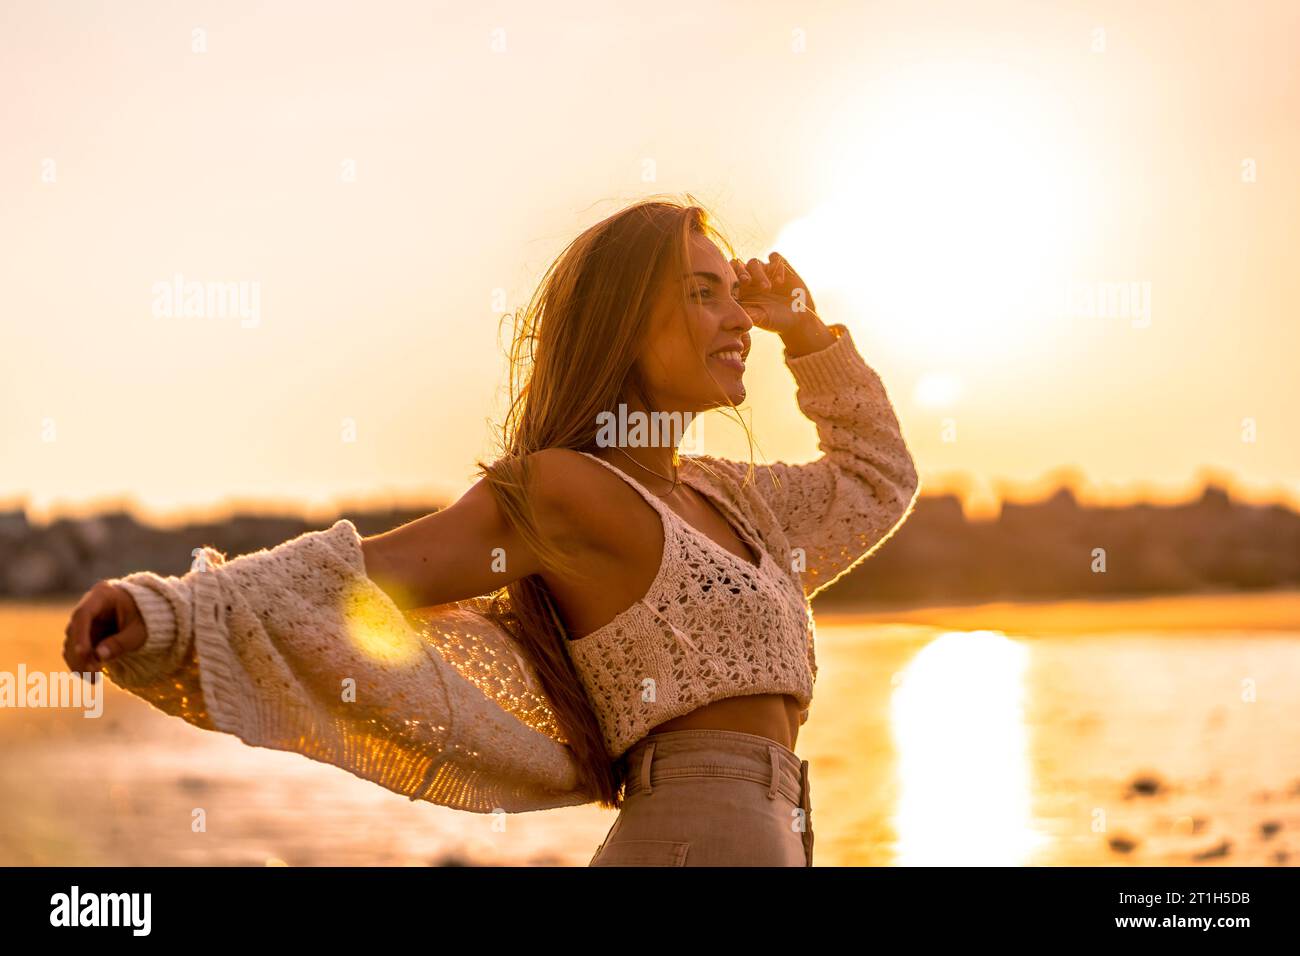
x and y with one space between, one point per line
581 498
561 476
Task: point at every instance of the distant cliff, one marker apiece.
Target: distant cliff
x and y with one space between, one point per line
69 555
1055 549
1040 550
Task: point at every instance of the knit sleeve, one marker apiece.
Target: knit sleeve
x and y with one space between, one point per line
840 508
164 670
294 648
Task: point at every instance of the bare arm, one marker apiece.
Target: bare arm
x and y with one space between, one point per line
470 548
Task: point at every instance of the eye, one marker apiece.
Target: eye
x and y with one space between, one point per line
703 291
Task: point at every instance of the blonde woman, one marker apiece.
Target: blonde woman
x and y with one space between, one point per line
599 618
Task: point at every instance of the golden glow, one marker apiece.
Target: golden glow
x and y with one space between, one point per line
936 390
375 631
952 214
963 769
937 177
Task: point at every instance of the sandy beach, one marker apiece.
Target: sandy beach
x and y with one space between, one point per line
1070 733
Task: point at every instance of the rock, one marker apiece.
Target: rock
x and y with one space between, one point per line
1145 785
1121 843
192 784
1220 849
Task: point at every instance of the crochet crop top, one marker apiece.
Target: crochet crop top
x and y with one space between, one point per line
713 625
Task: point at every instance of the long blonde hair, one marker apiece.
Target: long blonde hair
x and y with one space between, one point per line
572 356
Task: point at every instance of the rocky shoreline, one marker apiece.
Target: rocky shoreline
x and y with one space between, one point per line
1052 549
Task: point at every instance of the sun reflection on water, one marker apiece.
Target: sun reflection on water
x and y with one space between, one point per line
964 780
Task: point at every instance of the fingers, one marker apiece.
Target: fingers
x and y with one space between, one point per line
111 647
780 273
752 279
77 662
768 290
793 278
92 609
77 645
752 272
71 656
776 271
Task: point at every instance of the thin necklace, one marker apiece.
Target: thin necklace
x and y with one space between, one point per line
674 479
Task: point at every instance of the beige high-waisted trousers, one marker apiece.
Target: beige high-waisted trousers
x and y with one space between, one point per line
710 798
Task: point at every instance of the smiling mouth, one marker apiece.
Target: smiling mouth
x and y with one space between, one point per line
730 358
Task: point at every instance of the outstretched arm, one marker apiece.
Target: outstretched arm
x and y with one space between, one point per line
296 648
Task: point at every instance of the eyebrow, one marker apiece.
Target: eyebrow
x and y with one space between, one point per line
713 276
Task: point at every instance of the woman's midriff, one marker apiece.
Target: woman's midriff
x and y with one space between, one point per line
775 716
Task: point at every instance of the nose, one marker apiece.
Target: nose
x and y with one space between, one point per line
738 318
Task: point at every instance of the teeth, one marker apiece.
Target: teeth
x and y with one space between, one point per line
731 355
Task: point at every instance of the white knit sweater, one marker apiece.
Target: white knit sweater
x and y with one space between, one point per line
294 648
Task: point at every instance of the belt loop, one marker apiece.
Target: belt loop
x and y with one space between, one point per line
776 773
645 766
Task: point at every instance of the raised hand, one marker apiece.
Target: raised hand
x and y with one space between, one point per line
773 294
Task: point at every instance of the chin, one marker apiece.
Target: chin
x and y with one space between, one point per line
736 395
734 390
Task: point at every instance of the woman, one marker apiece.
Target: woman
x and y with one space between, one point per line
646 640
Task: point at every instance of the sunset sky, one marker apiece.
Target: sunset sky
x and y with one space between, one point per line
956 181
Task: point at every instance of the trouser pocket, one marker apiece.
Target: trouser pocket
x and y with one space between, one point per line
642 853
608 836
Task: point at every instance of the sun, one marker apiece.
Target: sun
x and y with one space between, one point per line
952 216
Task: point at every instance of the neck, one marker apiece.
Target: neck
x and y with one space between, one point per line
653 465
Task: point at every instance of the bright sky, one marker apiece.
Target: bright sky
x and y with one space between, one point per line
388 176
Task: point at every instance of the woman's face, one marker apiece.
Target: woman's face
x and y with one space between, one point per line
685 363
